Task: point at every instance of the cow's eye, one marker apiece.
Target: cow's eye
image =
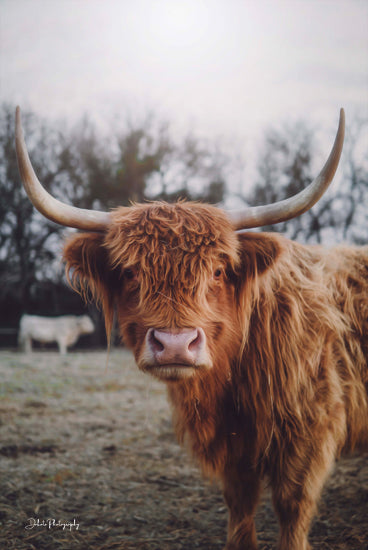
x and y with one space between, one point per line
130 273
217 274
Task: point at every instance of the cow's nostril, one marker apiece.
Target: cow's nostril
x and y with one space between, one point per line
195 342
155 342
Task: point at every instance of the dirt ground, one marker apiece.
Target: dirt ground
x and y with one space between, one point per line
94 448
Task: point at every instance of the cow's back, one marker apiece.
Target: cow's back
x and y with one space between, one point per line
38 328
49 329
348 274
350 279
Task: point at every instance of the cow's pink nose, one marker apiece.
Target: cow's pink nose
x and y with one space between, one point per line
179 346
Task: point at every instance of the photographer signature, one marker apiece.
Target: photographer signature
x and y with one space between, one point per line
50 523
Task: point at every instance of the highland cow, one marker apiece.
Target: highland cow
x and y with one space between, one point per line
262 342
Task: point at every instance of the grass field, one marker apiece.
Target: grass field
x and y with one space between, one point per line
84 445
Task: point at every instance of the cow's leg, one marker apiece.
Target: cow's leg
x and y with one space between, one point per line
28 344
61 346
296 491
241 492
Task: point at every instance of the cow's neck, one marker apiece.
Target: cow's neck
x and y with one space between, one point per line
208 417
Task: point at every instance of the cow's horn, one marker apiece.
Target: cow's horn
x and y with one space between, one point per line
281 211
53 209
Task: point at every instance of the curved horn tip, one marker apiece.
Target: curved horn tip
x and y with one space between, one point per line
17 116
18 124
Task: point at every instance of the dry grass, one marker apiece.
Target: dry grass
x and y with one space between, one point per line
81 443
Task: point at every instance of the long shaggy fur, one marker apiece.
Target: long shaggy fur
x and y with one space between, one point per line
287 326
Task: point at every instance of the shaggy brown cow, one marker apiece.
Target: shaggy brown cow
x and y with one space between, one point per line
262 342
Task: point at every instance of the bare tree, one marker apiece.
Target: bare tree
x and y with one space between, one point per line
27 240
138 162
354 196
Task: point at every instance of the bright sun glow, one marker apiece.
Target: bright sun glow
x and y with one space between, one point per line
181 24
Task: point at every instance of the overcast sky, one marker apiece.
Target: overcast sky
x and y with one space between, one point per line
224 67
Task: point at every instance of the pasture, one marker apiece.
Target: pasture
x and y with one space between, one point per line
94 447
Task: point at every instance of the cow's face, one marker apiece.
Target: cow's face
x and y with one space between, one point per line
172 274
85 324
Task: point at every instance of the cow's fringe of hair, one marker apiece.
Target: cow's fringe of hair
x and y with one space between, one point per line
145 236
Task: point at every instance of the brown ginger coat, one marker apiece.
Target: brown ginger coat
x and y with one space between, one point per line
287 329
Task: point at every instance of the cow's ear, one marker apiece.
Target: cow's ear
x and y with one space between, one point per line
258 252
86 263
89 271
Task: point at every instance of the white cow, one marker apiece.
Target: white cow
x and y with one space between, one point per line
65 330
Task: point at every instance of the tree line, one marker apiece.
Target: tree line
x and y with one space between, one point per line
140 161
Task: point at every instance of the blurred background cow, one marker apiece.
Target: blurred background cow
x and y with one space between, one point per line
65 330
